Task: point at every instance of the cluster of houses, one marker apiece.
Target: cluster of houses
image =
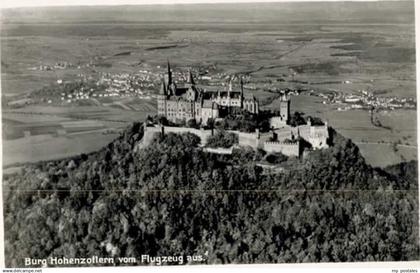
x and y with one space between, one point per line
79 94
366 100
125 84
56 66
141 84
112 85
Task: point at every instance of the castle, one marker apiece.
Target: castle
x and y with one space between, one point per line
190 102
284 136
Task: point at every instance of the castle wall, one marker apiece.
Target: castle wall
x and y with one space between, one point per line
149 133
220 151
316 136
247 139
202 134
289 149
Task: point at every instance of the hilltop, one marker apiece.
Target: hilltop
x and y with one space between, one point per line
172 197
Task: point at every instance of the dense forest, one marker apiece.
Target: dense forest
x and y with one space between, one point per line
172 198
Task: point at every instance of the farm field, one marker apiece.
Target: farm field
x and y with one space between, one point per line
377 144
57 132
48 147
381 155
319 56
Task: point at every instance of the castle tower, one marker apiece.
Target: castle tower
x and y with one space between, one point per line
168 80
285 108
161 99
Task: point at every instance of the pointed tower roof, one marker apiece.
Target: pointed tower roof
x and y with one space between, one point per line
162 88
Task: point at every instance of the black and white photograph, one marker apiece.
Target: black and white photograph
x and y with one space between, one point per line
195 133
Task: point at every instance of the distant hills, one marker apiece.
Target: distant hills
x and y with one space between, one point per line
381 12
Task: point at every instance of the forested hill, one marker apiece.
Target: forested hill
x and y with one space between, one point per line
171 198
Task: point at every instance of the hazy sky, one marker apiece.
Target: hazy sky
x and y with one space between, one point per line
33 3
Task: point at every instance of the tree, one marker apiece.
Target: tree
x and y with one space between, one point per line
222 139
191 123
276 158
297 119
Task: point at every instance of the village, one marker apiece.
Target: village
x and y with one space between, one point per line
98 86
366 100
101 86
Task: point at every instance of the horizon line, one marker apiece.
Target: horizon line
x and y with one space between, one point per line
82 3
